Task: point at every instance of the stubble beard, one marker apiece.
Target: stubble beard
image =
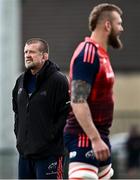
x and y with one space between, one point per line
30 65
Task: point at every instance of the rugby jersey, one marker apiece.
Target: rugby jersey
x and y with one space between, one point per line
91 63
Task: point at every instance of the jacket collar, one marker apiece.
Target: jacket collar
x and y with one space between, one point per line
45 72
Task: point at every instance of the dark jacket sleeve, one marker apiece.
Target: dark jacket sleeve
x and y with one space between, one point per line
62 105
14 106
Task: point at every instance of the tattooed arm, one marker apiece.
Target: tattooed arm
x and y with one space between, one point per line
79 95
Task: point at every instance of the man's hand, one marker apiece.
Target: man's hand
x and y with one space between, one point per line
100 149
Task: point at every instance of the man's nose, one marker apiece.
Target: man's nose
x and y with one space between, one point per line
122 29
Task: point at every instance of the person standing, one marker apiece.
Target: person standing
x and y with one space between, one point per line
40 104
86 133
133 151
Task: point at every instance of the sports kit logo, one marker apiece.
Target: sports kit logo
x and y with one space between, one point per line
90 154
73 154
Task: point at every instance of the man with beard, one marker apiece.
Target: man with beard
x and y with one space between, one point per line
86 133
40 103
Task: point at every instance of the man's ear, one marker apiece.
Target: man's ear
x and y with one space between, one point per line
108 26
46 56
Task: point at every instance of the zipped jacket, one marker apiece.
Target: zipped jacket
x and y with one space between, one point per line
40 118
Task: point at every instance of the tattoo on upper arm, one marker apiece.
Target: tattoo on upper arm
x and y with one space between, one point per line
80 91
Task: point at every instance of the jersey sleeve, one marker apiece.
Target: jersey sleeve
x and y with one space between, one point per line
86 64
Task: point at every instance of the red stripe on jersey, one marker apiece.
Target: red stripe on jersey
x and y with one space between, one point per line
86 52
93 55
89 53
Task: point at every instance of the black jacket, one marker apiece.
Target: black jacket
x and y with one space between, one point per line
40 118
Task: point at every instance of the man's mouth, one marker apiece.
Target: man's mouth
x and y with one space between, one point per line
28 61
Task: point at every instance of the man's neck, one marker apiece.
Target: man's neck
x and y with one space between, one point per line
100 38
37 69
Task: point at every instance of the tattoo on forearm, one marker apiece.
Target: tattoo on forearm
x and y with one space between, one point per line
80 91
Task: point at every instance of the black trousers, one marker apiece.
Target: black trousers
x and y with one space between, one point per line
50 168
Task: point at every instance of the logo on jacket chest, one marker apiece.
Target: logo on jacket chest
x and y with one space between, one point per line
43 93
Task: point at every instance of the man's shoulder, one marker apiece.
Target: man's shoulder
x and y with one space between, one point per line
84 47
19 80
20 76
